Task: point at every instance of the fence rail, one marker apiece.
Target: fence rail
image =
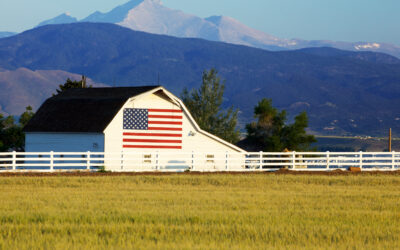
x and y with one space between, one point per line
196 161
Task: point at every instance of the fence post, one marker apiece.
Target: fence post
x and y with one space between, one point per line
294 159
226 161
361 160
156 160
393 159
327 160
122 159
261 160
88 160
51 160
14 160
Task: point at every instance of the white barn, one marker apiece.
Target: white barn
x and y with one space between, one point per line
142 120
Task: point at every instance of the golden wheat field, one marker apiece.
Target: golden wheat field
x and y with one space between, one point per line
252 211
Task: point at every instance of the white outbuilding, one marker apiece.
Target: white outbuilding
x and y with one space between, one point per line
146 120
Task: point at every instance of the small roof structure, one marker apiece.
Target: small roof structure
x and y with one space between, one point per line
90 109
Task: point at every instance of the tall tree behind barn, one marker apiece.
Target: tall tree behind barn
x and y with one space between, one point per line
205 104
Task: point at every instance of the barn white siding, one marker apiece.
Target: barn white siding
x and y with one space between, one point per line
64 142
192 139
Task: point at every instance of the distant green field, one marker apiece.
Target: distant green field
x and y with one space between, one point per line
254 211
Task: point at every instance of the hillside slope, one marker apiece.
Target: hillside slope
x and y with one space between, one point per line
22 87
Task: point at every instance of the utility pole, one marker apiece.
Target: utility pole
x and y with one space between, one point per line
83 82
390 139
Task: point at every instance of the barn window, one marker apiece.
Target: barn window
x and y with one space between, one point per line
147 158
209 158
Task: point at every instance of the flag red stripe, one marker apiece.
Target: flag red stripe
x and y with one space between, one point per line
169 123
152 140
152 134
163 128
165 116
165 110
147 146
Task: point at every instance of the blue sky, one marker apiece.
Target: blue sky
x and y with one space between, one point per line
340 20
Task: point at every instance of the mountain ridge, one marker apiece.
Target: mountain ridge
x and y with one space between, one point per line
115 15
153 17
61 19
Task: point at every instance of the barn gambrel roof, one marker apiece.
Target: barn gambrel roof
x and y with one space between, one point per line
87 110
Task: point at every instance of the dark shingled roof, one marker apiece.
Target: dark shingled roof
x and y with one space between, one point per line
82 110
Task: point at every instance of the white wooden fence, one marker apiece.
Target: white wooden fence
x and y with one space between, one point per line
196 161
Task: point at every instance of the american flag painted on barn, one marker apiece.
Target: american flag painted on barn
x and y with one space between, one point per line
152 128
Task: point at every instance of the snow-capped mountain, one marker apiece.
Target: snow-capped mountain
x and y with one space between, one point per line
232 31
153 17
116 15
61 19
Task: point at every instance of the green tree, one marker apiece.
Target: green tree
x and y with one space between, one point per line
205 106
69 84
12 136
26 116
7 133
2 133
271 132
